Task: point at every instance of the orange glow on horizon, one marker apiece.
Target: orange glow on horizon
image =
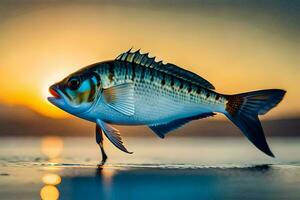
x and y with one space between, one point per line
40 48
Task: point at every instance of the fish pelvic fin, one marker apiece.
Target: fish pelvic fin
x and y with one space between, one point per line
112 134
243 110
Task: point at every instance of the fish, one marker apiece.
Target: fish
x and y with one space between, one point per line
135 89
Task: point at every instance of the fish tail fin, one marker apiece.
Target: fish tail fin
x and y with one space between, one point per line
243 110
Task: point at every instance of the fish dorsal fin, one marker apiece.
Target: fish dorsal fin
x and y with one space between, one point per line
162 129
144 60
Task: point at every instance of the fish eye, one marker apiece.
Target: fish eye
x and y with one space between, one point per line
74 83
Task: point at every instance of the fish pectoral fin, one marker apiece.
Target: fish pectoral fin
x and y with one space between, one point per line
120 98
113 135
162 129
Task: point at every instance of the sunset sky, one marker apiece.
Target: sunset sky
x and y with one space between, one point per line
237 47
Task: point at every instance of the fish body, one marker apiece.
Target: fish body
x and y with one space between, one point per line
157 97
134 89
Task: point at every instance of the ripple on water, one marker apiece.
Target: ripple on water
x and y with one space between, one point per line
89 163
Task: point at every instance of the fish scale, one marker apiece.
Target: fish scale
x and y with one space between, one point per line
123 72
134 89
177 100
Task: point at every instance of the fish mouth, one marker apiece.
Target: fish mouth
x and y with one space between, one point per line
57 97
54 93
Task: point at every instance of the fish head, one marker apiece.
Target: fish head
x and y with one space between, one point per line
76 94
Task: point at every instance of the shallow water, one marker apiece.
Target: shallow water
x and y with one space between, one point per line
174 168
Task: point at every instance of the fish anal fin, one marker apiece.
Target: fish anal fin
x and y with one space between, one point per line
162 129
113 135
120 98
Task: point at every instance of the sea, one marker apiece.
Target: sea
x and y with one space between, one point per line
54 167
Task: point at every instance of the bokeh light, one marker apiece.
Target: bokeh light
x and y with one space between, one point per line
49 192
51 179
52 146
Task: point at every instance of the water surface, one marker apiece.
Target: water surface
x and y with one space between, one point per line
174 168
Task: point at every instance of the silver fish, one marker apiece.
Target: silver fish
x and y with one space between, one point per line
134 89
